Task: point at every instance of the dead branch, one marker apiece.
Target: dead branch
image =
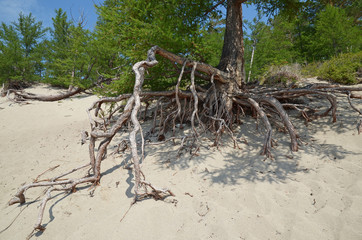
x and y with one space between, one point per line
51 98
202 67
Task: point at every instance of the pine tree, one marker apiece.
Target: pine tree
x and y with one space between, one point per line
21 51
11 56
30 34
127 29
68 58
335 33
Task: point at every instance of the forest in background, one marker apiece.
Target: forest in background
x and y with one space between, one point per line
321 39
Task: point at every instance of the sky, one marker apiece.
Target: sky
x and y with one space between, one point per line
43 10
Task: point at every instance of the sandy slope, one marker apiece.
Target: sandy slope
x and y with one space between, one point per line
315 193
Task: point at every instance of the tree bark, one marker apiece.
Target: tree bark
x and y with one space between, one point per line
232 57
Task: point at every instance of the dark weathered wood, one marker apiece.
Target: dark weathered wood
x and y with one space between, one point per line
202 67
232 57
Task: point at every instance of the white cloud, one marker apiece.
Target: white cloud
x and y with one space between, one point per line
10 9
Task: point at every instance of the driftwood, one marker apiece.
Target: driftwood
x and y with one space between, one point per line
20 95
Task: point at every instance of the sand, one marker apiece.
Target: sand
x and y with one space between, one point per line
315 193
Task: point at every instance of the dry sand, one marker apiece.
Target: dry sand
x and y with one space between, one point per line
315 193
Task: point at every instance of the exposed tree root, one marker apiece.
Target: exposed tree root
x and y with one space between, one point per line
216 108
268 136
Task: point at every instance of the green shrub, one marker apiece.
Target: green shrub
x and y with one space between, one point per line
311 69
344 69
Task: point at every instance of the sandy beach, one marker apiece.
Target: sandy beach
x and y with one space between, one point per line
315 193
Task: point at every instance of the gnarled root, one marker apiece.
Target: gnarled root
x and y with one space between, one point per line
268 136
215 108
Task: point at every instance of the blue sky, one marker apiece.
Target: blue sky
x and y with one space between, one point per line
43 10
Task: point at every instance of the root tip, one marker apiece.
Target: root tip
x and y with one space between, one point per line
39 227
20 199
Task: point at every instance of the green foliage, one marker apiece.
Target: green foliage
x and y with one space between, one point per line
123 84
30 32
323 30
311 69
21 51
286 7
342 69
335 33
353 8
61 32
305 32
10 54
70 56
126 29
273 45
209 46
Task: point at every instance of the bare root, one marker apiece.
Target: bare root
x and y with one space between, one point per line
216 108
268 136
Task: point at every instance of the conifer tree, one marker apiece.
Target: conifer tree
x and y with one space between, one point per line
69 58
11 55
127 29
335 33
21 46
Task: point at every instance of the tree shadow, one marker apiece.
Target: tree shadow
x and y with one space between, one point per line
247 164
254 169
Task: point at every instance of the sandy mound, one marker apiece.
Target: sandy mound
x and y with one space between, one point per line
315 193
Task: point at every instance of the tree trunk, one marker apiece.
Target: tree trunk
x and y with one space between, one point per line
251 60
232 57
